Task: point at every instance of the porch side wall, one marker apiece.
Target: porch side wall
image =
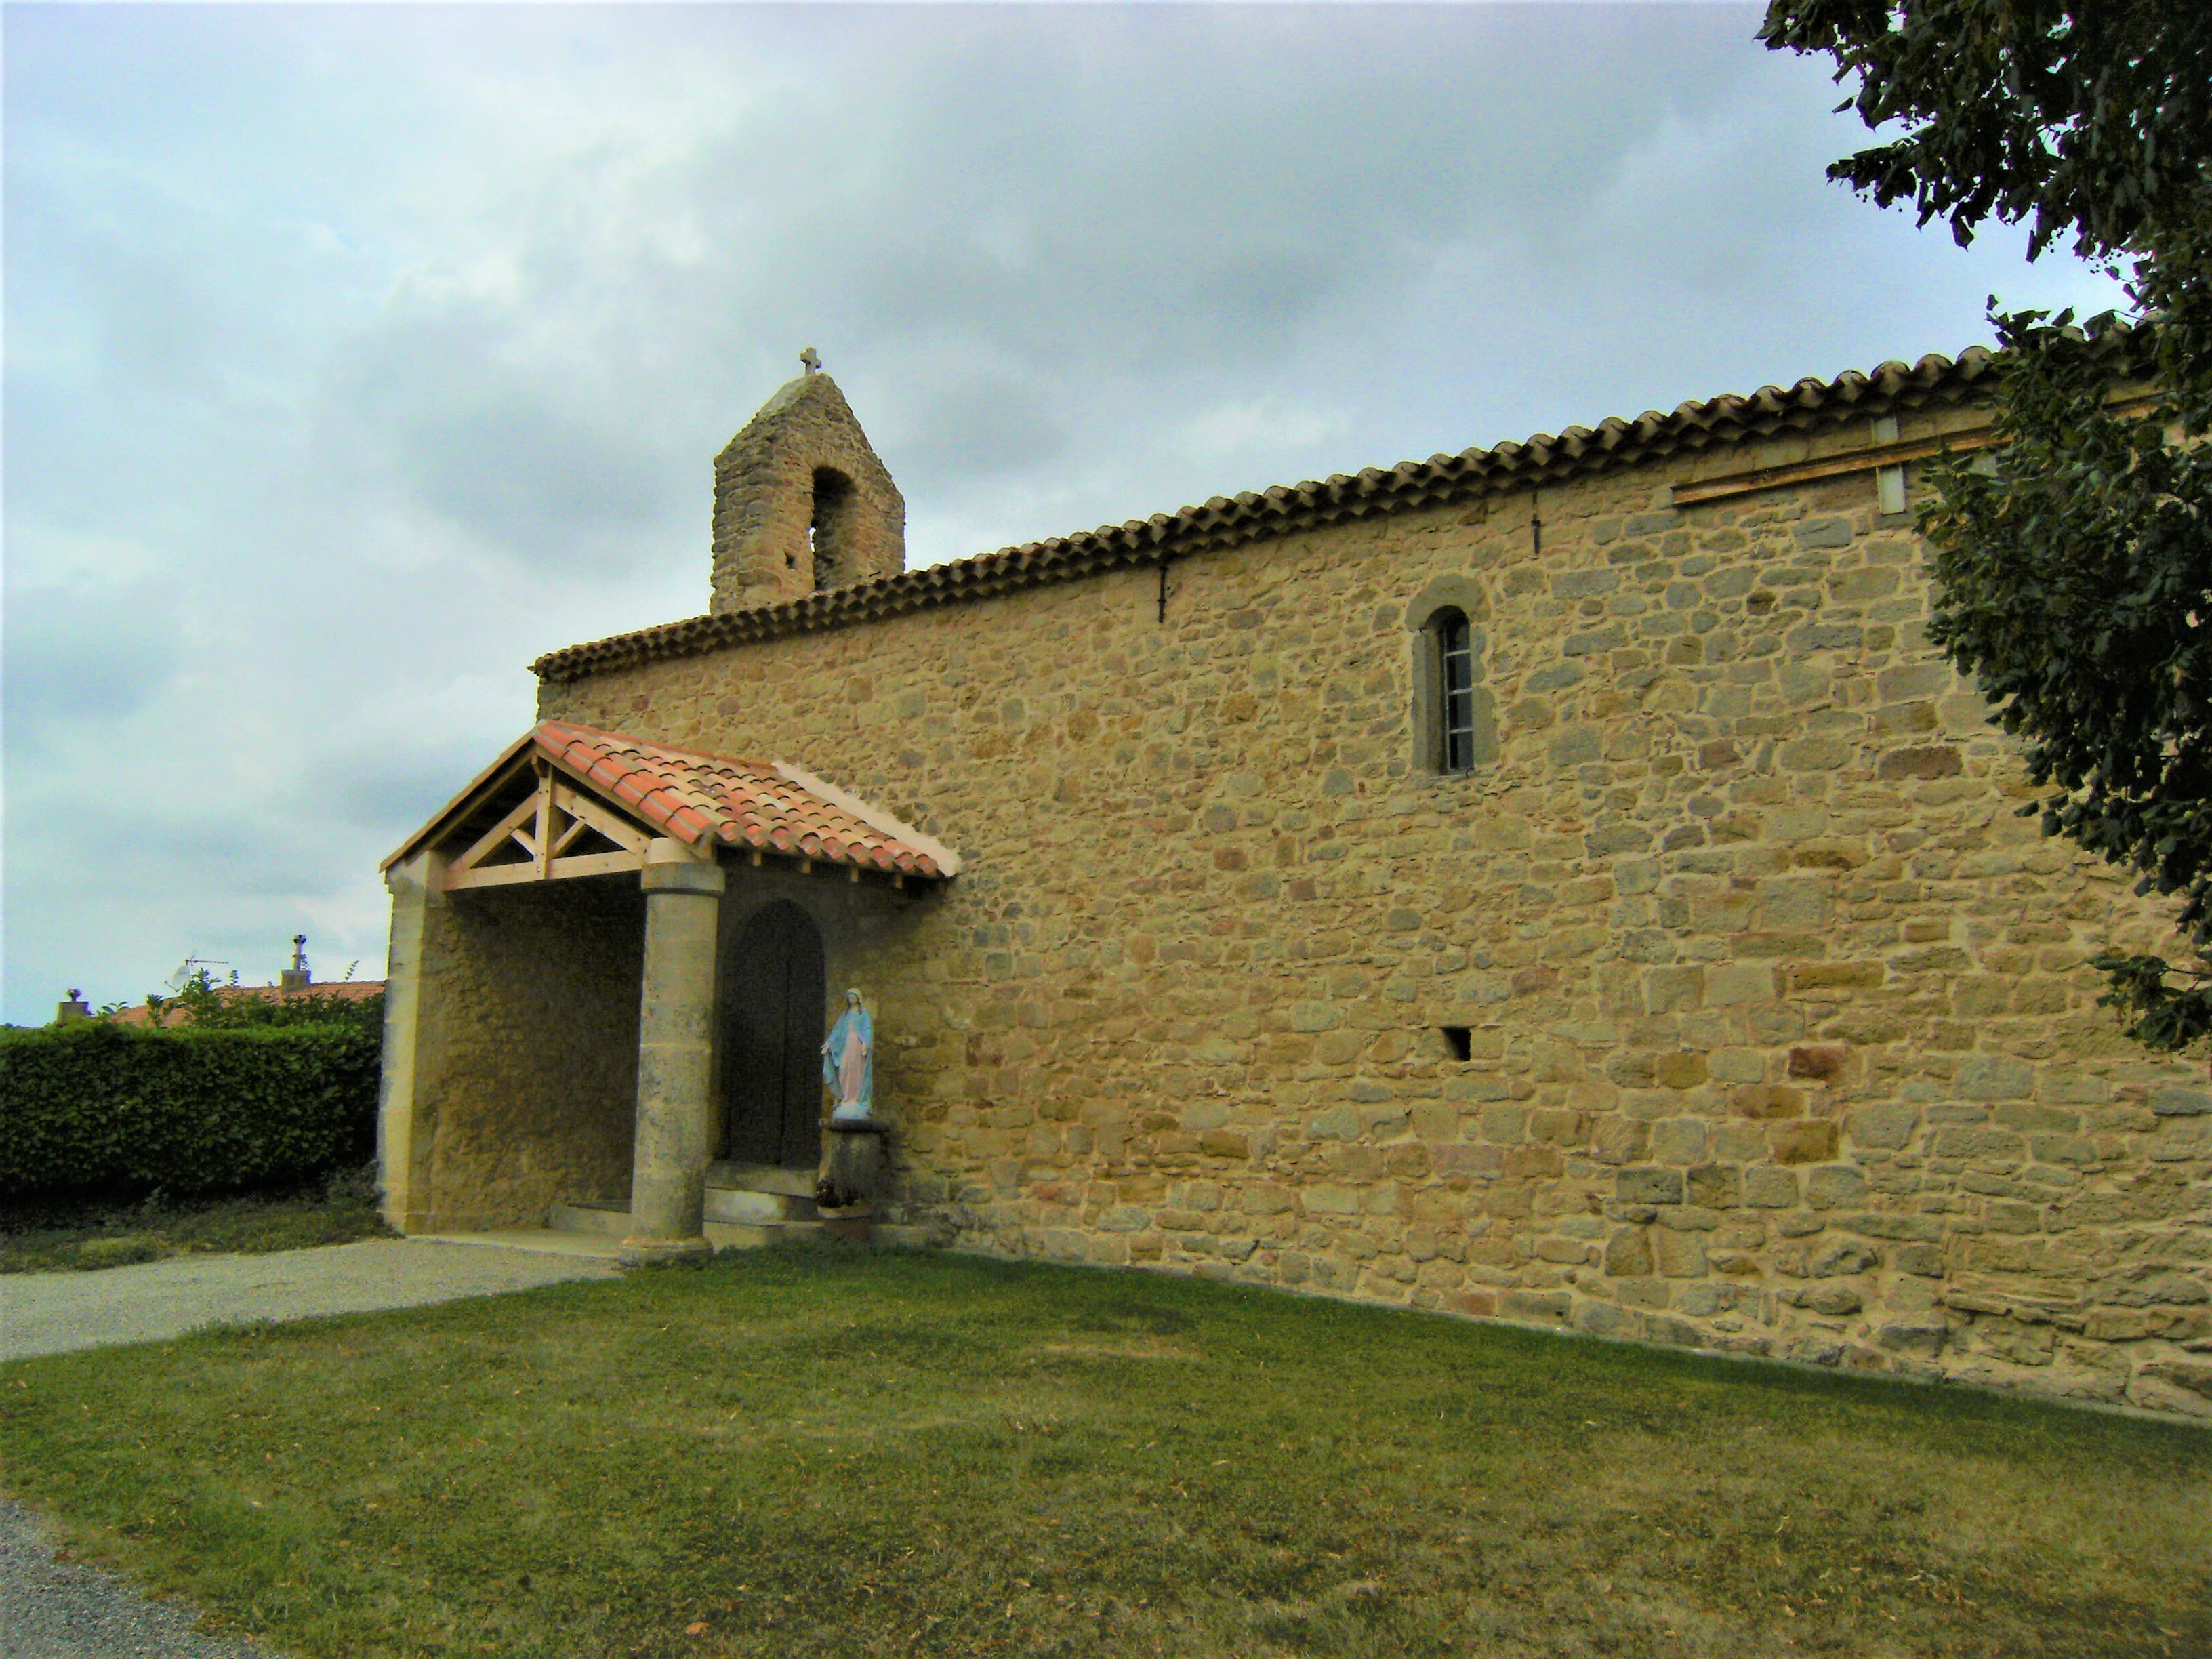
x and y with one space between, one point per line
1782 1040
530 1093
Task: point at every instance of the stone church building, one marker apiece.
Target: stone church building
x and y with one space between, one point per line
1555 884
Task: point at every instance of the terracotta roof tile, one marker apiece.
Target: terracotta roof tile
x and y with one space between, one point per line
697 797
1281 509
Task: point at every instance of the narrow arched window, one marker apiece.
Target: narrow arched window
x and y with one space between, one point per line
1455 719
1456 660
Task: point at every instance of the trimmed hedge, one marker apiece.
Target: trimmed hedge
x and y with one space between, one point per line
88 1105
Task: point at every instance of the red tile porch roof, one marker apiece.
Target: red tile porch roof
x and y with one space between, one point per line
697 798
703 799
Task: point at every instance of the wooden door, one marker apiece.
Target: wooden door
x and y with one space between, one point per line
772 1030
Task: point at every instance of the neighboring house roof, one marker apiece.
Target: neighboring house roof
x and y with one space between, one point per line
701 799
347 990
1222 522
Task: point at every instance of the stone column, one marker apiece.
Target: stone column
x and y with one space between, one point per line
412 1008
675 1053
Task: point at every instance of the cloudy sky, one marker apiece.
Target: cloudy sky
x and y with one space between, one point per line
355 356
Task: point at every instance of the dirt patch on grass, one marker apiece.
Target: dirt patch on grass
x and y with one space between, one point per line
1131 1348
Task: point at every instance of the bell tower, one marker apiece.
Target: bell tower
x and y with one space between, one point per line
801 503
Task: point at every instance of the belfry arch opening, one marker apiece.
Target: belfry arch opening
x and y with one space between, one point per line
829 528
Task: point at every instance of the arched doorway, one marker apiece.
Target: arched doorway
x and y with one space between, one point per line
772 1027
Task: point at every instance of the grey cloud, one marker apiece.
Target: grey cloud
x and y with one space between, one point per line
530 477
133 269
237 853
398 342
502 451
1074 196
387 796
1206 186
979 428
85 653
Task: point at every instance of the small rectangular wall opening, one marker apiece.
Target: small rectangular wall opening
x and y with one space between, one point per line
1459 1041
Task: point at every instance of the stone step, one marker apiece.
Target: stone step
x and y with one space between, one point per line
723 1236
731 1235
609 1221
606 1221
761 1178
744 1208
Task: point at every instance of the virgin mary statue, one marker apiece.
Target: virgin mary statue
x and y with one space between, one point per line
849 1062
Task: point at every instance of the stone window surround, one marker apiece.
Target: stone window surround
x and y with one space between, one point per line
1425 619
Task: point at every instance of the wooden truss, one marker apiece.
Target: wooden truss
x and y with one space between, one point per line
554 831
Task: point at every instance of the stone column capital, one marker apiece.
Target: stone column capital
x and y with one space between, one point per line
672 867
421 879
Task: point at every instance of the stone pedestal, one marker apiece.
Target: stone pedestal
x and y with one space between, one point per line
854 1172
675 1054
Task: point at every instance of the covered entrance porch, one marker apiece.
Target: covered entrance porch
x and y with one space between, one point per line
612 965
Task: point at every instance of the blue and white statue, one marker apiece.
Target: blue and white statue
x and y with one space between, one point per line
849 1062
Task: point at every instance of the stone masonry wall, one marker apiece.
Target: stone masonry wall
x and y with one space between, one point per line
527 1079
1780 1036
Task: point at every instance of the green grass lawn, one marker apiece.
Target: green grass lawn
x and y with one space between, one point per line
847 1454
81 1237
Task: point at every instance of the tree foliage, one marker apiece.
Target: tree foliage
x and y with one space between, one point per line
2074 566
201 1003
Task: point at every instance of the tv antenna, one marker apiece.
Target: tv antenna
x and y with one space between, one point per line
190 968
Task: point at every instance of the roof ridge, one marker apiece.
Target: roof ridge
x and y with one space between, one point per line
1253 516
665 748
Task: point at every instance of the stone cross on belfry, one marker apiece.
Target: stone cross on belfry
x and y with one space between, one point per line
812 359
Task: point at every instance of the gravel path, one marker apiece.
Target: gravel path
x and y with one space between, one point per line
52 1609
59 1312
